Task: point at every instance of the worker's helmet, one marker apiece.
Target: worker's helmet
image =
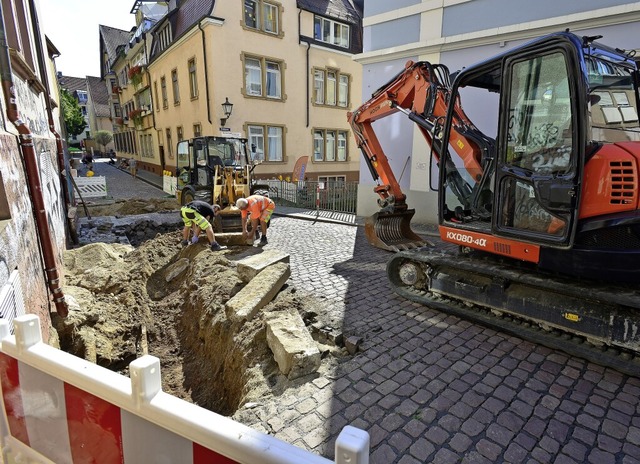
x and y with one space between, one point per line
216 208
242 203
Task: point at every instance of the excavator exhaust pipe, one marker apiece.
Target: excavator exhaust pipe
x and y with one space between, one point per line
392 231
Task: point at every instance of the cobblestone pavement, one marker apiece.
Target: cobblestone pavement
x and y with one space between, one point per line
433 388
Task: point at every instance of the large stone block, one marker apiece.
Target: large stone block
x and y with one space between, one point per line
293 348
250 266
257 293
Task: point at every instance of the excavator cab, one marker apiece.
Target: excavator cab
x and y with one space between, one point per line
554 174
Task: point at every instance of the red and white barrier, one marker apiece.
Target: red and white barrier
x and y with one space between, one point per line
58 408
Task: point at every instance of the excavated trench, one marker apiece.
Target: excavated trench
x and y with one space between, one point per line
168 301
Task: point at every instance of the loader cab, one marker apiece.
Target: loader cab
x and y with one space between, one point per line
528 188
202 162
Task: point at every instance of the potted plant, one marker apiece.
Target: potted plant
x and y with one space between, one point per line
135 75
136 116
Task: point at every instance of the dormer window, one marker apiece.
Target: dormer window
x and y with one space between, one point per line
262 15
164 38
330 31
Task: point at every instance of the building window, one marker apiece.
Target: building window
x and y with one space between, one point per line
319 86
164 38
273 149
331 88
169 147
331 181
176 89
155 90
197 130
263 78
193 79
331 32
163 88
179 134
329 145
262 15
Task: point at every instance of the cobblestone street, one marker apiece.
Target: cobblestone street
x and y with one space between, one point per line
430 387
433 388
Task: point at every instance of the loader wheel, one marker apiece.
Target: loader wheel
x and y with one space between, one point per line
187 197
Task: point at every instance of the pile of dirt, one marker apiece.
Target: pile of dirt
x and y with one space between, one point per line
168 301
130 207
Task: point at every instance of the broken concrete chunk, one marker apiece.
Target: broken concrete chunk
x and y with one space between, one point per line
257 293
250 266
175 269
293 348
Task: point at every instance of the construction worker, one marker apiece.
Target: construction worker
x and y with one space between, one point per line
261 209
196 216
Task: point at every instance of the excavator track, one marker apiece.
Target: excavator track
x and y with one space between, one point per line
593 321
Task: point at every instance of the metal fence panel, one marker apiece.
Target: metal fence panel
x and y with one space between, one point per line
340 197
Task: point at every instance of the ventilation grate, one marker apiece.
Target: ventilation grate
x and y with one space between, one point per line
623 182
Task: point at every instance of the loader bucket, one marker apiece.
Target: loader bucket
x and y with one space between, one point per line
229 220
392 231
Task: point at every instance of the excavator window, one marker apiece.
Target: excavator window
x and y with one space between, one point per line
539 144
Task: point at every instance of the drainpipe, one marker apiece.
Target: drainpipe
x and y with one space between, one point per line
206 73
31 168
308 70
45 82
153 107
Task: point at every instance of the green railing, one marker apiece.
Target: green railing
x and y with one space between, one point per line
340 197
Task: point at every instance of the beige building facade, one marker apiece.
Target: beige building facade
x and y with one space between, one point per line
286 66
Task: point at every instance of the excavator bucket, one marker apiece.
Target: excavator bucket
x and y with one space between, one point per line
392 231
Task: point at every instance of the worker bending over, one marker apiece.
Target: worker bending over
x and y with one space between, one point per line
196 216
261 209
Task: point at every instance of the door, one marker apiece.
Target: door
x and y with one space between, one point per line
537 175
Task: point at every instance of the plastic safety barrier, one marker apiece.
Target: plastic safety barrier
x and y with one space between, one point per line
59 408
92 187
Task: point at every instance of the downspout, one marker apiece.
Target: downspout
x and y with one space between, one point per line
31 168
45 82
308 70
206 73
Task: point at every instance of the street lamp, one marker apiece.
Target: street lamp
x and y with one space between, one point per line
227 108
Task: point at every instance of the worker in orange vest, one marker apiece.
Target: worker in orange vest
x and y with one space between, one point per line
261 208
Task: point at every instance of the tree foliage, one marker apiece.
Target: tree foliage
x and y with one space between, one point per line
103 137
72 114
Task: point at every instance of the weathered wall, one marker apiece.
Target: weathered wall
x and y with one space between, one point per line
19 242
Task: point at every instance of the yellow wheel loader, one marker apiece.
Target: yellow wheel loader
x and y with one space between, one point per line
218 170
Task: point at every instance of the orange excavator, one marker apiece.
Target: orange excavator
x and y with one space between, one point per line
540 194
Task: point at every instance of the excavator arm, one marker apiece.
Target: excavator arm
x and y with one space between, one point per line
421 92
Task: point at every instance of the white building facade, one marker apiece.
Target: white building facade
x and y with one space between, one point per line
459 33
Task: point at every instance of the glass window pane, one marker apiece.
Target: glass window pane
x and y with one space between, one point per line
253 77
273 80
275 143
331 146
270 18
256 139
342 146
331 88
317 28
251 14
318 146
343 91
319 86
326 31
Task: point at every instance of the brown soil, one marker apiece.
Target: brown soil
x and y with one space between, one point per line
128 207
169 301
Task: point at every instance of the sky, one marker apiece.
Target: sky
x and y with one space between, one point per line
72 26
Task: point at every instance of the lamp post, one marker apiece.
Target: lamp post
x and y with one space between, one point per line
227 108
